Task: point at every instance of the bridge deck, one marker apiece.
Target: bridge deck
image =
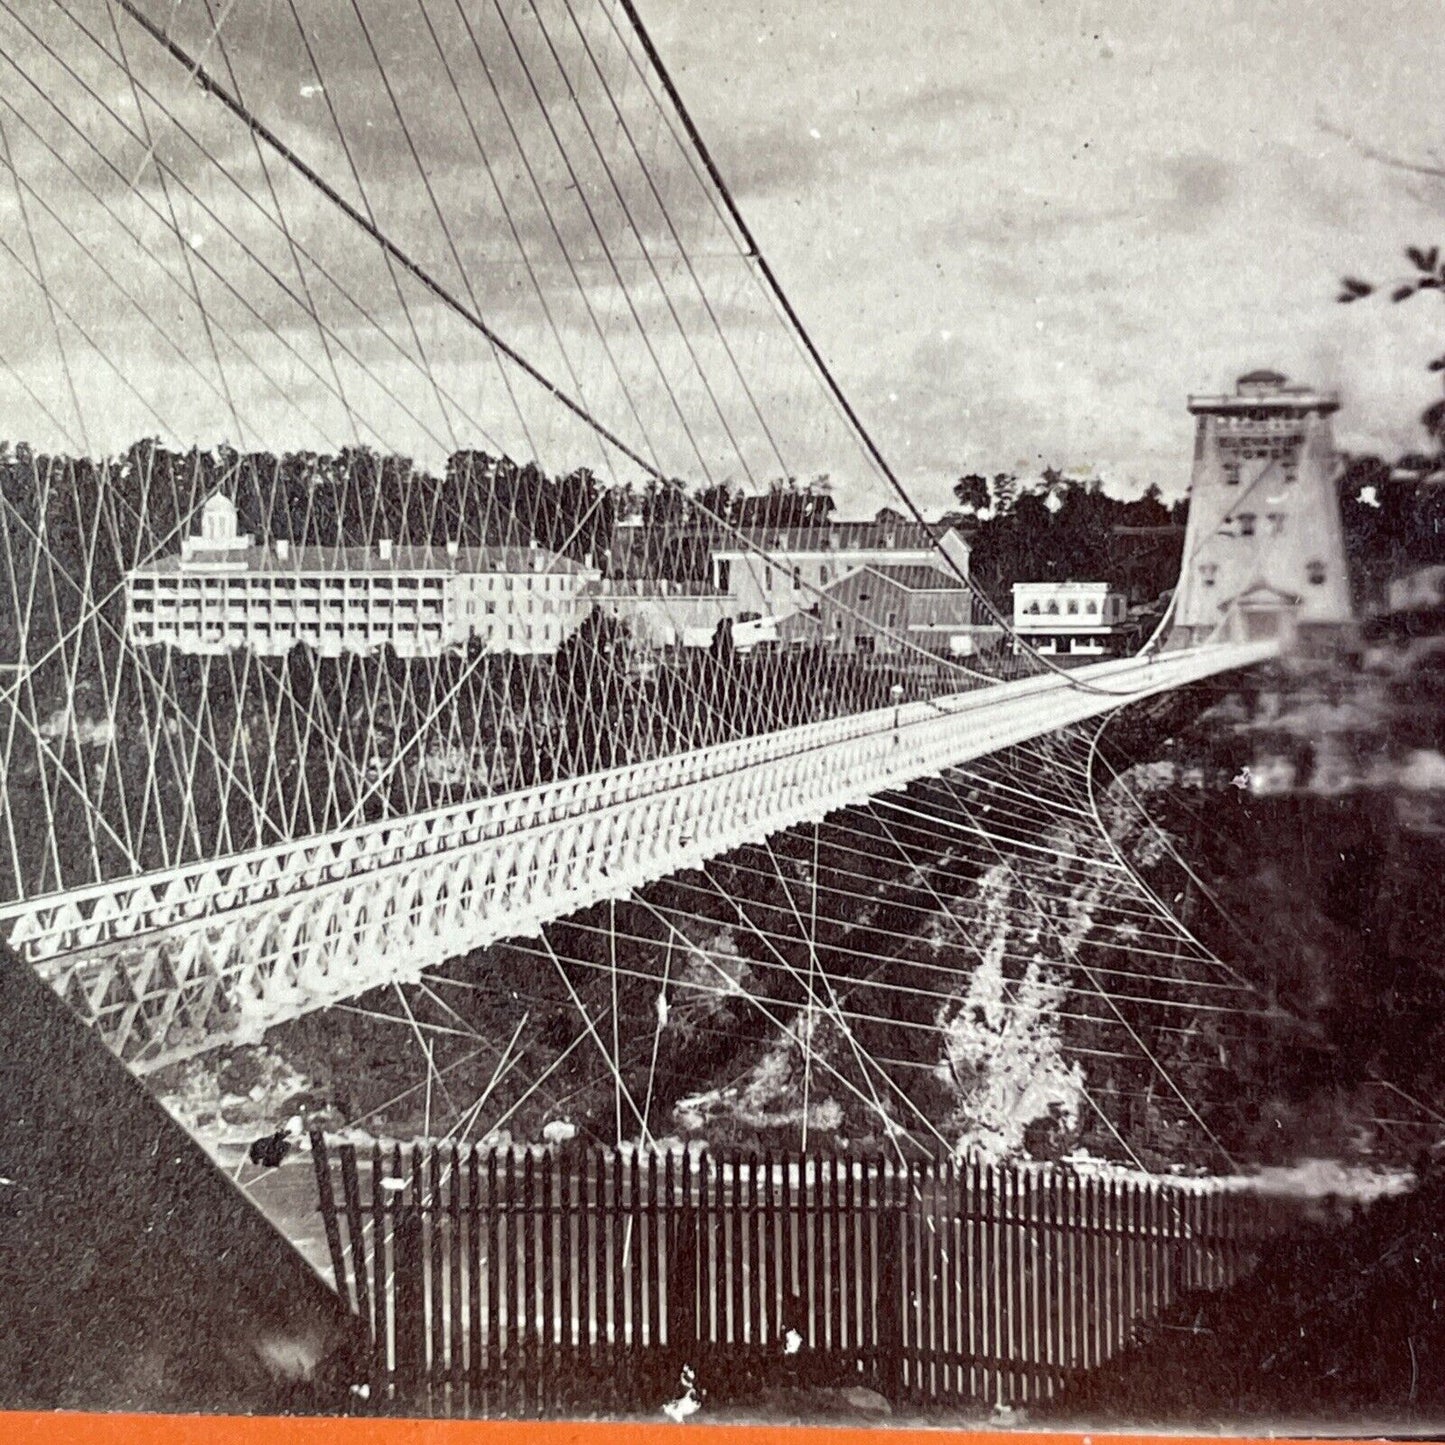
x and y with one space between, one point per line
170 964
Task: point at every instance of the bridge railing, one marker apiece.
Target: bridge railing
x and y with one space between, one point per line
171 965
79 917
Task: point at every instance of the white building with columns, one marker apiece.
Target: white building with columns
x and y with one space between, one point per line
225 592
1075 619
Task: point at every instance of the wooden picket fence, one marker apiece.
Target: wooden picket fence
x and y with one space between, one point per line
533 1281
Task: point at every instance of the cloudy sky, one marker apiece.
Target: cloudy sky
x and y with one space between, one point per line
1025 229
1021 230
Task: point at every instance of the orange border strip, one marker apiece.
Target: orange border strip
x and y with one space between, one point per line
58 1428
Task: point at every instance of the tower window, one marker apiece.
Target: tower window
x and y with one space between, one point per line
1315 571
1073 607
1246 524
1207 573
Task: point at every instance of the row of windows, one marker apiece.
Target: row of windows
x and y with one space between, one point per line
825 576
270 581
507 583
793 576
1251 448
1090 608
143 630
1258 420
285 617
1245 524
150 626
240 603
1314 571
530 606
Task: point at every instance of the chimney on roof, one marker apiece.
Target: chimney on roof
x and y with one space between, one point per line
283 549
383 549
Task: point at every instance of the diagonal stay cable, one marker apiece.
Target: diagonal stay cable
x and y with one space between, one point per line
825 372
396 253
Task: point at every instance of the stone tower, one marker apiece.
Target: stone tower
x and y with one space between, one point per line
1264 551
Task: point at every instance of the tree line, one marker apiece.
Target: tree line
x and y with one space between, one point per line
1054 528
1062 528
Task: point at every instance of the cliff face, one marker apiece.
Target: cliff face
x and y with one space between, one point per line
1309 802
135 1275
1338 1324
1306 803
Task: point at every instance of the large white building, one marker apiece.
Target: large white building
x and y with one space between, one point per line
225 592
775 572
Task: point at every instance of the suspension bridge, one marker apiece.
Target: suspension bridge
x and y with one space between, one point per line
175 963
239 231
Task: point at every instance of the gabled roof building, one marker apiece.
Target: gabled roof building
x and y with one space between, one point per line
777 571
884 609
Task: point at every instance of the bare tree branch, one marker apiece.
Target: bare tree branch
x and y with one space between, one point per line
1434 167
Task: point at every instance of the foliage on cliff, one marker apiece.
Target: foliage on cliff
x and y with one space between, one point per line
1341 1321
